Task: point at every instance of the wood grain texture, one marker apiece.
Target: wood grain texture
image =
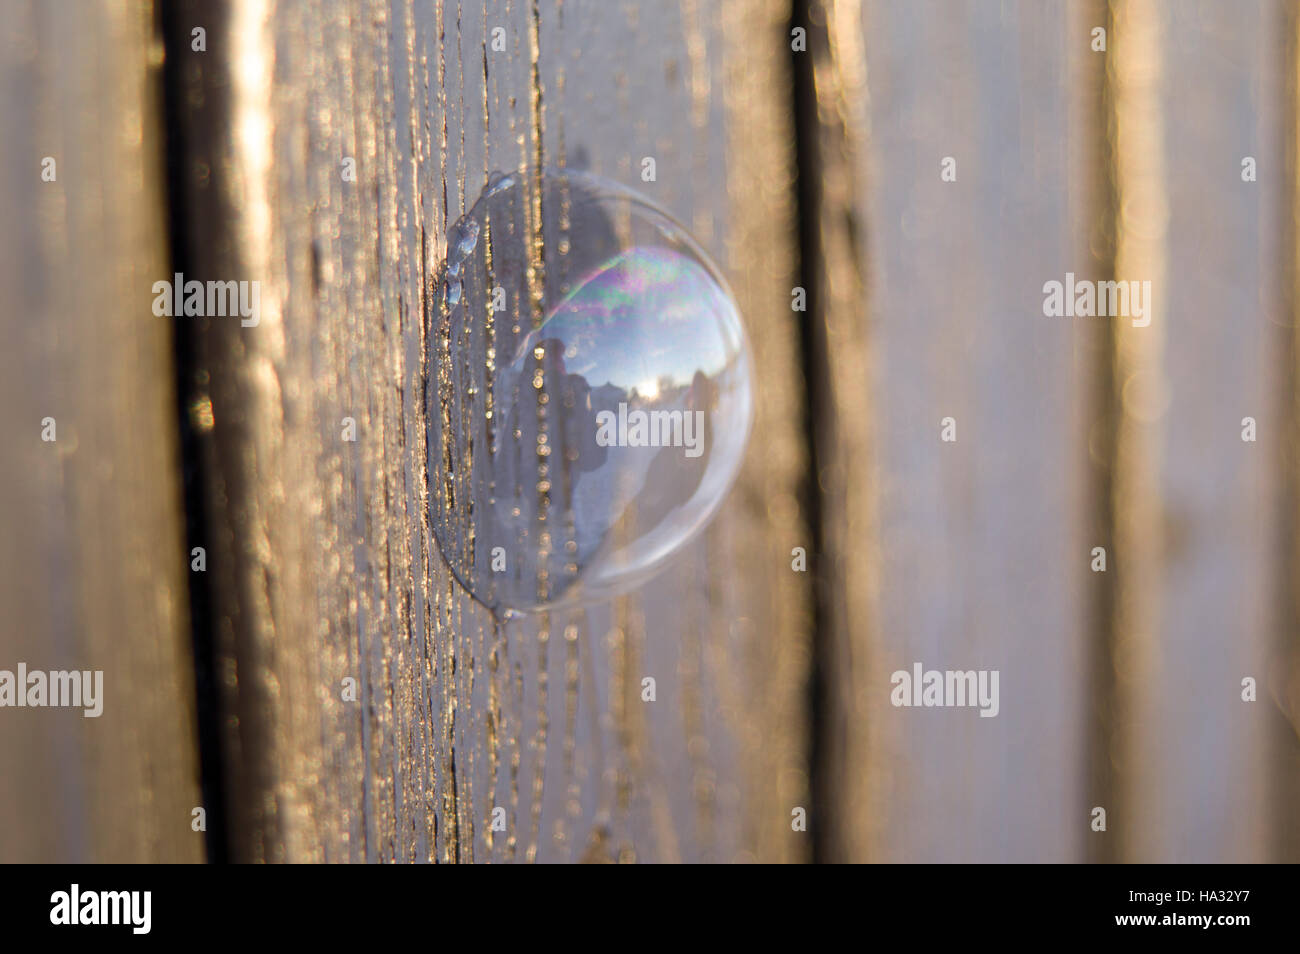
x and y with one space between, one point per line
92 560
322 560
366 708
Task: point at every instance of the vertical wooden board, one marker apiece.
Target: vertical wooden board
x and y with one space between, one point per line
301 545
92 560
586 767
1218 96
327 565
982 556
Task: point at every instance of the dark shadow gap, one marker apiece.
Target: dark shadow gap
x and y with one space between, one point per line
814 367
175 36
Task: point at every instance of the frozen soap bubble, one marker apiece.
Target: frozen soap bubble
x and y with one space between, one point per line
590 392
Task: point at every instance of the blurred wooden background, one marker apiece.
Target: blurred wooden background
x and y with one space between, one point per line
819 169
92 548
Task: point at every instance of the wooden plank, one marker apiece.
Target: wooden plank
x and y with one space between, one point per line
1209 749
322 559
92 559
1193 765
980 557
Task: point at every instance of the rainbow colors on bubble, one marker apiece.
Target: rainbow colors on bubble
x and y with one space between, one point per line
609 438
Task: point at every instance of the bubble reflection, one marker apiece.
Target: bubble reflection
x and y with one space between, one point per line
592 394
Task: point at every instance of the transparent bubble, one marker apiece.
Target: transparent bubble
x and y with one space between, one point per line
590 393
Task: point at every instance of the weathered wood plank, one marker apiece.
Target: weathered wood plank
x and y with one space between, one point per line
1192 504
323 561
980 562
1218 97
92 558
